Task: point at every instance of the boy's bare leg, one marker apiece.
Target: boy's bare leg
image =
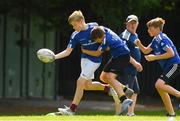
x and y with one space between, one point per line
79 90
163 90
160 84
167 101
113 82
131 108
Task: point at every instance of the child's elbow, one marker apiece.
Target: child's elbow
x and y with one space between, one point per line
171 54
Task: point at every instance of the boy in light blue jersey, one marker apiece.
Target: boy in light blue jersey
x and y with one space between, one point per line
115 66
164 51
129 78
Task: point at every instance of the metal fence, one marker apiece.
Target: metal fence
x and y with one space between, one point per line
21 73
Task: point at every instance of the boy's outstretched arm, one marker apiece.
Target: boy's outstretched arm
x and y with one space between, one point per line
64 53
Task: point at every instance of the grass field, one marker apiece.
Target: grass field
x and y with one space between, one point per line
96 116
36 110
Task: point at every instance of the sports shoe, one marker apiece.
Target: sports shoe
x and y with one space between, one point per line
170 115
125 105
54 114
66 111
129 92
130 114
113 93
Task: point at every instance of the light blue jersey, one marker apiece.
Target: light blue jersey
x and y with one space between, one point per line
84 39
159 44
117 46
130 38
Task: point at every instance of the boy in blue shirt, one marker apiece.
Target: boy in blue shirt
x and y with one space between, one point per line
120 59
89 63
164 51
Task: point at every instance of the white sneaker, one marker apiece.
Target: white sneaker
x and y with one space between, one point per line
54 114
125 105
66 111
131 114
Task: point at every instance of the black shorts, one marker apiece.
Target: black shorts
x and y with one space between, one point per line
117 65
171 73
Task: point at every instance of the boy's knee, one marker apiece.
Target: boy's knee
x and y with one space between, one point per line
81 84
159 84
103 77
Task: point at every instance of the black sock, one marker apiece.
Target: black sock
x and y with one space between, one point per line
122 98
125 88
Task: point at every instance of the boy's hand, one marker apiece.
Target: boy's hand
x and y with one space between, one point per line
138 67
137 42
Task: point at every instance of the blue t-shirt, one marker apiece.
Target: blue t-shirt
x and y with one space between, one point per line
159 44
84 39
117 46
130 38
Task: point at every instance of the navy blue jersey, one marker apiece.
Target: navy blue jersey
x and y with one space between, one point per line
159 44
117 46
84 39
130 39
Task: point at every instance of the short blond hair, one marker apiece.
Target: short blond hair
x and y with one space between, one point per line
75 16
156 23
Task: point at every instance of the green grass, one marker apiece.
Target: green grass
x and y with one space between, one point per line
85 118
95 116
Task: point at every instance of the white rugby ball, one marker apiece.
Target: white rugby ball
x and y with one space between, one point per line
46 55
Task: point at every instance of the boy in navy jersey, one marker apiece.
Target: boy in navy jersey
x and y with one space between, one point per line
166 54
129 78
89 63
115 66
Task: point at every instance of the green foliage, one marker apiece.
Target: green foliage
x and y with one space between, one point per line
114 12
54 13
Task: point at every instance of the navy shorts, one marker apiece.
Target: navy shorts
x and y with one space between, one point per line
130 81
171 73
117 65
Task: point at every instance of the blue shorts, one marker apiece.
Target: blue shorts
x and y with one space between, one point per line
130 81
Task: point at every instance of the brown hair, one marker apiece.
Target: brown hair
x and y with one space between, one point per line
97 32
156 23
75 16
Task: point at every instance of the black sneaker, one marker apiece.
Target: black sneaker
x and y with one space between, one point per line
170 115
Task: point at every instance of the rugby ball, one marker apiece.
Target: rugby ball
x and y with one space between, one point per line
45 55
